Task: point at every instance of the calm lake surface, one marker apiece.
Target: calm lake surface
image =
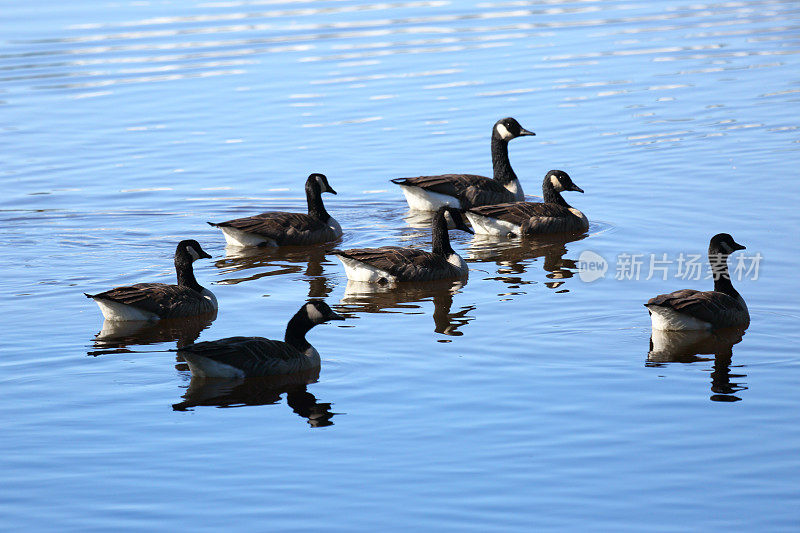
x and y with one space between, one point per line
527 399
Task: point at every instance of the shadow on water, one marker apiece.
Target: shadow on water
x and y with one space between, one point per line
405 298
513 256
115 337
689 346
239 392
258 262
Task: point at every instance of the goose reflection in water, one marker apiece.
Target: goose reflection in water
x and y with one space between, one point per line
513 256
277 261
239 392
689 346
116 336
405 298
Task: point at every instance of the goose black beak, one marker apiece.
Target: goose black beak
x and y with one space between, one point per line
468 230
523 132
205 256
737 246
330 190
575 188
334 316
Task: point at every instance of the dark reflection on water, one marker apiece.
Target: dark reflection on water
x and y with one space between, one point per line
405 298
115 337
689 346
278 261
221 392
513 257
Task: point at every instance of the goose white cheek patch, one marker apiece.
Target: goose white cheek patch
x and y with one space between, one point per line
503 132
193 253
556 184
313 313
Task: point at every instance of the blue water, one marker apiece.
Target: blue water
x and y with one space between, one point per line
521 400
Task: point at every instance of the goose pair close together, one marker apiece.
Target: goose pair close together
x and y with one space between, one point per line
232 357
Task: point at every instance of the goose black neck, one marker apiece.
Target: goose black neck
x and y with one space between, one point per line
183 267
296 331
314 198
719 269
440 237
501 166
550 194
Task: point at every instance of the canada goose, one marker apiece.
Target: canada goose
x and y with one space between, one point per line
279 228
689 309
428 193
152 301
530 218
240 357
393 263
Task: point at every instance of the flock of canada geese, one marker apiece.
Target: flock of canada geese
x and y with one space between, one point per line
493 206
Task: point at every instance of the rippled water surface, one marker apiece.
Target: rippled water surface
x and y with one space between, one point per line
524 399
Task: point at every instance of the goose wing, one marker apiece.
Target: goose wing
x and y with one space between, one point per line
255 356
405 264
280 226
716 308
520 212
164 300
470 189
533 217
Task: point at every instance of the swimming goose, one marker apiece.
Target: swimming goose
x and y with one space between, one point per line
689 309
393 263
530 218
152 301
240 357
278 228
428 193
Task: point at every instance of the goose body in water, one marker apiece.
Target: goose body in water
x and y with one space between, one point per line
240 357
393 263
555 215
153 301
429 193
689 309
279 228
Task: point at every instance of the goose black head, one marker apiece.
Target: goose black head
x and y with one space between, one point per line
561 181
192 249
723 244
318 312
321 181
508 128
455 220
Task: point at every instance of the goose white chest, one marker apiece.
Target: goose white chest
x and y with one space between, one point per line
422 200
